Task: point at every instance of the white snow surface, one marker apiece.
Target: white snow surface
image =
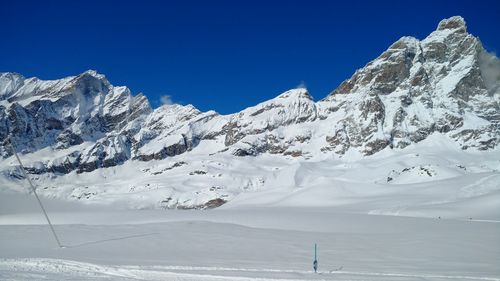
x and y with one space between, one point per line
429 179
239 243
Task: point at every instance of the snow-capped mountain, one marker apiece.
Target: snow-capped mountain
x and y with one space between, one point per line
446 84
416 88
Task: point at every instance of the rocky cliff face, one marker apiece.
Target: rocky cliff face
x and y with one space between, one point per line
63 113
417 88
445 84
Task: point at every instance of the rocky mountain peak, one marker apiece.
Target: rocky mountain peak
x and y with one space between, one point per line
298 93
405 42
10 76
168 115
93 73
416 88
9 82
456 23
90 82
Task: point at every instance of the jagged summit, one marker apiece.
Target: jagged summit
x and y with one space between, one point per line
10 75
453 23
405 42
92 72
417 88
301 92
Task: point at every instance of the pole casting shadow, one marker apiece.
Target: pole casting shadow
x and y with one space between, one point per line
110 239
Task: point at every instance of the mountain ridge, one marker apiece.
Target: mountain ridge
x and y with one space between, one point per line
444 84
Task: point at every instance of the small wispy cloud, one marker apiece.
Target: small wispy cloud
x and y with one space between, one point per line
166 100
490 69
302 85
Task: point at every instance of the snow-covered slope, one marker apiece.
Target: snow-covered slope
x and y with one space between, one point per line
82 138
251 244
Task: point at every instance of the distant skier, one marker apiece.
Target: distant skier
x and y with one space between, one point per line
315 262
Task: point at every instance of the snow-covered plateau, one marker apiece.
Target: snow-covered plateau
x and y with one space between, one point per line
395 175
240 243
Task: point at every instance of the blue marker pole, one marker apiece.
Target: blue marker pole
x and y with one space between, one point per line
315 263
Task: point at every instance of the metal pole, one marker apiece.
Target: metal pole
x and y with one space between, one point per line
315 251
34 192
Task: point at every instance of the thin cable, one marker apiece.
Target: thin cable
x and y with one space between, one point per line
34 192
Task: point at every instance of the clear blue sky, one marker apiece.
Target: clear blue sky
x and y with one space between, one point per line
221 55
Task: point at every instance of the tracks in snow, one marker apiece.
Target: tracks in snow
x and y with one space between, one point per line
56 269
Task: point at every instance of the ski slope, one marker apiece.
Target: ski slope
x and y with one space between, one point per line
240 243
